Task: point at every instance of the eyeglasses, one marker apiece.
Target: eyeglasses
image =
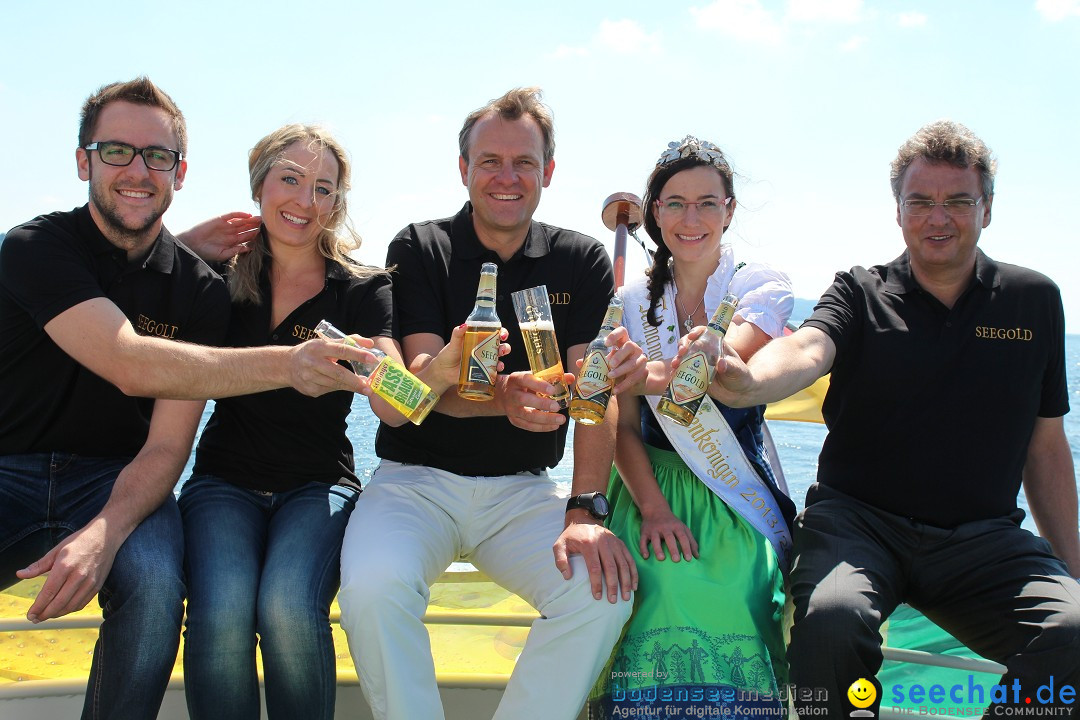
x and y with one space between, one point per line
678 208
957 207
121 154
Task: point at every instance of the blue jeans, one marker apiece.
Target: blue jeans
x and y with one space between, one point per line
265 563
44 498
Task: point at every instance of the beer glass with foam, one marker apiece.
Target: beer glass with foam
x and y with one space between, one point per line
538 331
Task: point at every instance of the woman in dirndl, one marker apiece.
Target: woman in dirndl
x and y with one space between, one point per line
706 522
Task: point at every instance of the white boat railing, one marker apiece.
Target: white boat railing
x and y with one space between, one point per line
920 657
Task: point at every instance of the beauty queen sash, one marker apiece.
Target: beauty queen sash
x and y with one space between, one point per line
708 447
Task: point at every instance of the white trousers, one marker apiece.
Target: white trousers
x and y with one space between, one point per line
412 521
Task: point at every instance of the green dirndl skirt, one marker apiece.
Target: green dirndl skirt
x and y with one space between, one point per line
706 637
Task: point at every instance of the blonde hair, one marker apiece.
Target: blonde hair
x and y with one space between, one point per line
337 238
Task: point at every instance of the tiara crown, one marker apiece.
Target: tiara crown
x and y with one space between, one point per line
690 146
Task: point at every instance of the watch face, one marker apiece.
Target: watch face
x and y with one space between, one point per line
600 505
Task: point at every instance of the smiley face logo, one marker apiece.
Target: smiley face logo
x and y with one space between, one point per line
862 693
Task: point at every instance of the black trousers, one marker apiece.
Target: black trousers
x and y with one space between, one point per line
993 585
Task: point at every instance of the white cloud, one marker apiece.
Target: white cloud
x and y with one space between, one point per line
854 43
621 37
743 19
1056 10
823 10
911 19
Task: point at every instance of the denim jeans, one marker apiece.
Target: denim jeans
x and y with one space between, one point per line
266 564
44 498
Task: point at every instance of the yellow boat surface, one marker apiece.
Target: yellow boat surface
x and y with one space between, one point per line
477 631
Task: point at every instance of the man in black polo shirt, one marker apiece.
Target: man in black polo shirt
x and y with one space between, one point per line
470 482
93 303
947 391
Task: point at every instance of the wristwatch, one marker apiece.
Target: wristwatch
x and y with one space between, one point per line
594 502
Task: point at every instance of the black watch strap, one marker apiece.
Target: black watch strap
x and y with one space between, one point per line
595 503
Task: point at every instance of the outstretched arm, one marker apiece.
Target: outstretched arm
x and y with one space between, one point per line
98 335
779 369
1050 485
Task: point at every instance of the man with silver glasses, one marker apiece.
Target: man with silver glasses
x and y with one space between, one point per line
93 304
947 393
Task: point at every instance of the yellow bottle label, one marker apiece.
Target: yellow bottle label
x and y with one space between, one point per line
397 386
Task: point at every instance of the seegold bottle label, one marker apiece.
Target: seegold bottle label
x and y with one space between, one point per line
691 379
484 359
593 378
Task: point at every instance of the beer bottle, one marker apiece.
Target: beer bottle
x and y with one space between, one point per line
592 390
388 378
687 389
480 348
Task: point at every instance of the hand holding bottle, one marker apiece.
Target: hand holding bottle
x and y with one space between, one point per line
388 379
592 388
479 357
731 376
444 369
694 374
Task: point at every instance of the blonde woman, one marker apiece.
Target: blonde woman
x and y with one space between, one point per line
273 484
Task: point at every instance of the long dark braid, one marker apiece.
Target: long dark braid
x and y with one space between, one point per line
659 275
660 271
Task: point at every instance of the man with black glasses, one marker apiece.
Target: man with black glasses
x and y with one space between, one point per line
94 304
947 393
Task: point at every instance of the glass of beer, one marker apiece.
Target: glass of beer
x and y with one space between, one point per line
538 331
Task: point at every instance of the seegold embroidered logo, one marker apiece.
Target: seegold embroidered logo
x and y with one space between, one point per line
562 298
993 333
146 326
303 333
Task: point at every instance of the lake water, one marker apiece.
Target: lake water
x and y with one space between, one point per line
797 443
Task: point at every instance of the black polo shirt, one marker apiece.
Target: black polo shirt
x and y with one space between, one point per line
50 403
438 270
930 410
279 440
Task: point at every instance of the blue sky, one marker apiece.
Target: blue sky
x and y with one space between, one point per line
809 98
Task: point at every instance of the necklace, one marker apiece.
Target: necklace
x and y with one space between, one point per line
688 322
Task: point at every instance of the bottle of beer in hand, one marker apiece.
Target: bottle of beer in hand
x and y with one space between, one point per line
480 348
388 378
687 389
592 390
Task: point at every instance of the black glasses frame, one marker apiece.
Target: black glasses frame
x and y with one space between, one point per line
177 156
